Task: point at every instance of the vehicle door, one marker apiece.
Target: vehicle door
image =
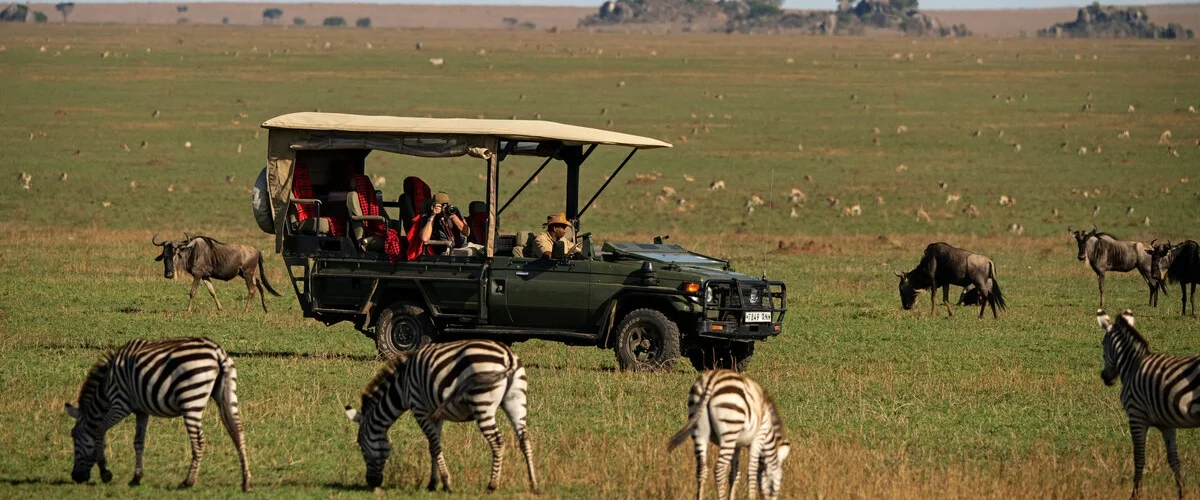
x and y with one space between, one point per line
539 293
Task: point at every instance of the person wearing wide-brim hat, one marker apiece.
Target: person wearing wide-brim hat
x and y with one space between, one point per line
556 229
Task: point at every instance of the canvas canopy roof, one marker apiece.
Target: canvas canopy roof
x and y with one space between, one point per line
520 130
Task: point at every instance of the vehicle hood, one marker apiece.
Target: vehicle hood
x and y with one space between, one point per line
676 259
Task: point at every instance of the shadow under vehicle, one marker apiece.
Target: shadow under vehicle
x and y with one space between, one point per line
650 302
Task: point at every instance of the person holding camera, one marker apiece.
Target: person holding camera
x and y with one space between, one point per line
443 222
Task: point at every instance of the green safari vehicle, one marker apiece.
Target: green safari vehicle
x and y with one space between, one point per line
650 302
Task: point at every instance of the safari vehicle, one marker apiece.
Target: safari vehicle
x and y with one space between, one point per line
649 302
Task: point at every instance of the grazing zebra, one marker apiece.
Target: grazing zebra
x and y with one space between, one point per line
1157 390
455 381
730 409
164 378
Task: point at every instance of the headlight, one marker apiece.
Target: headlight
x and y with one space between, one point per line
754 297
708 295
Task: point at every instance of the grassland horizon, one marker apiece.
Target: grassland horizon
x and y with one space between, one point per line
156 129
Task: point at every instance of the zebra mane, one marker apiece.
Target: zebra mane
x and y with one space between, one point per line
1124 324
95 377
776 420
383 379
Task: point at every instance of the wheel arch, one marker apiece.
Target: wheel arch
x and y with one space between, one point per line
674 306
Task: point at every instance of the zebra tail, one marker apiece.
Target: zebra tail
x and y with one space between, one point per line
472 382
225 391
690 426
262 275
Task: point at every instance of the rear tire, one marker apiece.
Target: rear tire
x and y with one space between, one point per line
402 327
647 341
711 356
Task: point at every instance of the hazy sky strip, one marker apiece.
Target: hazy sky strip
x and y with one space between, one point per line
790 4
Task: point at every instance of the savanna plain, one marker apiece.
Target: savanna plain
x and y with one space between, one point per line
156 130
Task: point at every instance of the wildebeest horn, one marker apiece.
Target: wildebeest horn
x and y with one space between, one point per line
1069 230
186 236
1152 242
898 273
154 240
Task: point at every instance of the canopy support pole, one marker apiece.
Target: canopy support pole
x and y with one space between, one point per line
606 182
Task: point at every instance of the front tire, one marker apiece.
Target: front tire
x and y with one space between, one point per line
712 356
402 327
647 341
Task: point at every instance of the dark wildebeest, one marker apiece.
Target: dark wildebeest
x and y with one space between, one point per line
1181 264
1104 253
943 265
205 258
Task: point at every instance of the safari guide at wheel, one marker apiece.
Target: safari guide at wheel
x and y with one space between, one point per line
556 230
441 222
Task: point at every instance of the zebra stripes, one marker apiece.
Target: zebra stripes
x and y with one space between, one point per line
1157 390
730 409
454 381
166 378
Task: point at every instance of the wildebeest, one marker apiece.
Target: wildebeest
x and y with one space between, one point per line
1177 264
943 265
1104 253
205 258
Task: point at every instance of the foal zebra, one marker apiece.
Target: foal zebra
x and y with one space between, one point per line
1157 390
732 410
454 381
165 378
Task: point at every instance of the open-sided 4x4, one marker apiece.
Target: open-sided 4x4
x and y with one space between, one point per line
649 302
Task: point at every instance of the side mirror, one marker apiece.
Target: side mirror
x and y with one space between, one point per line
559 252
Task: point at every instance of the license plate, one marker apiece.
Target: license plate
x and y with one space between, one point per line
758 317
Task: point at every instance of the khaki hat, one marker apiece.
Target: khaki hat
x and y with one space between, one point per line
559 218
441 197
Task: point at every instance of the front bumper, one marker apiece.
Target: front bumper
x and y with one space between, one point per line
730 315
732 330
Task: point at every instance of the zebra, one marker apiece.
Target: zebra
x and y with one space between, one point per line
727 407
454 381
164 378
1157 390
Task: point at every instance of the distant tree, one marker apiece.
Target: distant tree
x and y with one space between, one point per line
40 17
181 9
299 21
511 22
764 8
528 25
65 8
224 20
272 14
334 21
1191 34
363 22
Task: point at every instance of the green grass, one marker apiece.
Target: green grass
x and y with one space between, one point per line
878 401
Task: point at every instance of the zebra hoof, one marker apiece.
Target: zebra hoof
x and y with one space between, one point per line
105 476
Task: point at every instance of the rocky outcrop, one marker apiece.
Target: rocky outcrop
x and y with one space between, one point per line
1096 21
16 13
766 15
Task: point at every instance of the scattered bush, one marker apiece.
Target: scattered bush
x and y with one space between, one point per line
272 15
224 20
363 22
299 21
39 17
334 21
